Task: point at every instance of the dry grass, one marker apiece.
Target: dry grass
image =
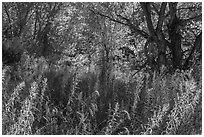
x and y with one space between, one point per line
59 101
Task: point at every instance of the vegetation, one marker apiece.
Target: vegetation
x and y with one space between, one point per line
101 68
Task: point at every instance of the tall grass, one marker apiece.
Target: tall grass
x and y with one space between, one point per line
68 100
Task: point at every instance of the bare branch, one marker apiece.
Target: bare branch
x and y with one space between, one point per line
155 8
172 10
6 10
139 68
161 16
114 20
197 44
133 27
184 21
146 9
128 23
31 14
187 8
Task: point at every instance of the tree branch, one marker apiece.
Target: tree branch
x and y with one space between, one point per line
172 10
114 20
187 8
184 21
6 10
161 16
128 23
134 28
197 43
155 8
146 10
140 68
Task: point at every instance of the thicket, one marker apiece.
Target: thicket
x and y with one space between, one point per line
101 68
68 100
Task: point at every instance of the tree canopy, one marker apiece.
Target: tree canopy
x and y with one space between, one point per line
157 33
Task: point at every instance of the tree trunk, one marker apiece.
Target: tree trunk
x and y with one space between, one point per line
176 50
175 37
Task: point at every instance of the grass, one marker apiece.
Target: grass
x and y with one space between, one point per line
69 100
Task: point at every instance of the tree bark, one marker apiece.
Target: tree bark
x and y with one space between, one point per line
175 37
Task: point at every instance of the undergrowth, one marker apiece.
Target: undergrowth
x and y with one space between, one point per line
52 100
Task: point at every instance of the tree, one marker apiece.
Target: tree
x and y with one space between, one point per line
166 34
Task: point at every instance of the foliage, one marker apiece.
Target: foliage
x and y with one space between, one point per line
101 68
172 103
